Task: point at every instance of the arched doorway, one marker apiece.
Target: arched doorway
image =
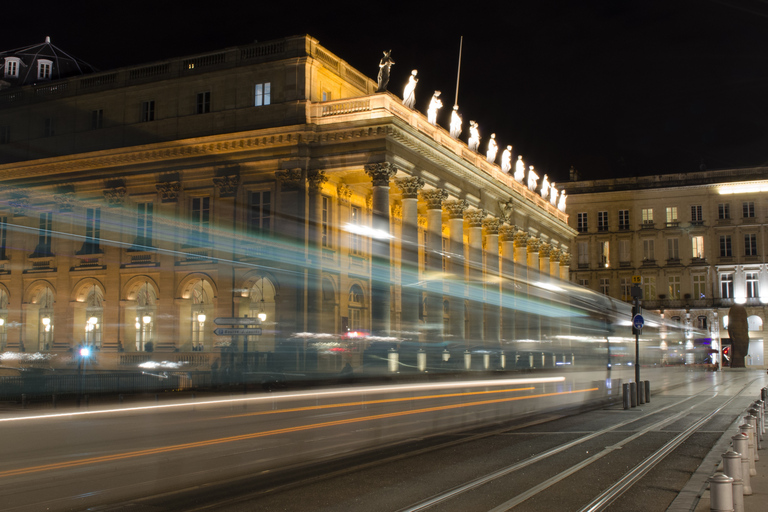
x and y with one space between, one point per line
196 313
88 313
39 318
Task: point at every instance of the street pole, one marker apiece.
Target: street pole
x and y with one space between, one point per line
637 343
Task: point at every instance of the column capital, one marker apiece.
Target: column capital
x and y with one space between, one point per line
506 233
521 238
555 254
475 217
380 173
316 180
544 249
434 198
565 259
533 244
410 186
289 178
491 226
455 208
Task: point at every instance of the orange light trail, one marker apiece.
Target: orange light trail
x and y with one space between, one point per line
256 435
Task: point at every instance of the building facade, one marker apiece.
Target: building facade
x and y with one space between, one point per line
696 240
141 204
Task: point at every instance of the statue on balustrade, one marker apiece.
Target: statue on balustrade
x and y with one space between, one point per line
561 203
474 136
409 93
506 159
544 186
490 154
553 194
455 122
532 179
435 104
519 169
385 63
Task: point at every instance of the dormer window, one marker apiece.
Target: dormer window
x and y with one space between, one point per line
44 67
12 67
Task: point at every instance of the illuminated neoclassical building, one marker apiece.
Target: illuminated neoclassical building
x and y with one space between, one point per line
696 240
140 204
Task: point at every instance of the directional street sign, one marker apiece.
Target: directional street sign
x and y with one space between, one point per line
237 321
248 331
638 322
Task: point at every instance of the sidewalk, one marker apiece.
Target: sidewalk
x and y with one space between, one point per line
695 496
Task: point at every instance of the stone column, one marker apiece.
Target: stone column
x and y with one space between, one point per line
381 281
475 274
534 244
410 293
507 271
565 261
455 267
521 276
492 283
544 251
315 180
434 264
554 263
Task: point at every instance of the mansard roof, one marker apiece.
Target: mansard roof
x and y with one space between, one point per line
63 64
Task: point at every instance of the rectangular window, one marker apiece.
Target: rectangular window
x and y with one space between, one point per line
624 254
203 102
581 222
699 286
48 127
5 134
602 221
144 223
147 111
327 96
584 282
697 243
750 244
605 257
12 67
200 221
97 119
725 246
748 209
626 288
623 219
752 291
262 94
325 223
647 215
673 250
674 287
259 211
696 213
44 67
649 288
583 254
726 286
92 231
671 214
44 236
3 237
723 211
355 239
649 250
604 285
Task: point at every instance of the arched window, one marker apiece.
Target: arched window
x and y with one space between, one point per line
94 314
356 307
262 300
755 323
146 299
200 302
45 303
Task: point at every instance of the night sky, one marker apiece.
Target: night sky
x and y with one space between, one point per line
613 88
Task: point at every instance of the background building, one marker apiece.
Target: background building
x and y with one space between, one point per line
697 240
137 205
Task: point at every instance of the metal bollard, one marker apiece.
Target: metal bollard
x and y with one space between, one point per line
640 393
748 431
760 405
633 393
754 420
732 468
721 493
764 394
647 391
740 442
625 396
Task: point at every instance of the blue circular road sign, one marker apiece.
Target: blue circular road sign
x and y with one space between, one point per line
637 322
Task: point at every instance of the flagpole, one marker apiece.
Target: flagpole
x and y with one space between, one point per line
458 73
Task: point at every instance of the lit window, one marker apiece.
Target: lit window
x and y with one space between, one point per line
647 215
605 254
44 69
674 287
699 286
649 288
355 240
671 214
262 94
697 243
12 67
626 288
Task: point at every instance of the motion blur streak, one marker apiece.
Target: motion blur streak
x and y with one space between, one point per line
371 402
255 435
355 391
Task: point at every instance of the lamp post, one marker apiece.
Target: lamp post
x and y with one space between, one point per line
46 331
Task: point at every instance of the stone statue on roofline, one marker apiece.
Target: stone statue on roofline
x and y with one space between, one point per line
385 63
474 136
532 179
519 169
544 190
435 104
553 194
506 159
561 203
490 154
409 93
455 122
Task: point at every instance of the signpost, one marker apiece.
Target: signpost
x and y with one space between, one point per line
237 321
247 331
637 325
